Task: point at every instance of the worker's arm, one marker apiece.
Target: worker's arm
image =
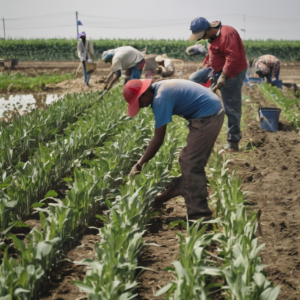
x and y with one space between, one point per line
232 54
109 77
153 146
205 63
115 77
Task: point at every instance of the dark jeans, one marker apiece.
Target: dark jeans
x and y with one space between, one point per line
86 75
193 159
232 101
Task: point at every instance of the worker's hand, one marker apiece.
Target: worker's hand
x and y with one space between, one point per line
136 169
220 83
159 70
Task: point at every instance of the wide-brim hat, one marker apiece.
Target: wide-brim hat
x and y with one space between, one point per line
161 58
132 91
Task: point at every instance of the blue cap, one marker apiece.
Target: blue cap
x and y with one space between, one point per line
81 34
198 27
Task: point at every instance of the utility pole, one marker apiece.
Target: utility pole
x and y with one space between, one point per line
3 27
77 23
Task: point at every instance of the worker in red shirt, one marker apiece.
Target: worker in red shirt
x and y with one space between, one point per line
226 55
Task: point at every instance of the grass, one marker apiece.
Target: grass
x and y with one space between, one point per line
22 82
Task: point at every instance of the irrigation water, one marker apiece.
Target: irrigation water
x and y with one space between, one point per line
25 103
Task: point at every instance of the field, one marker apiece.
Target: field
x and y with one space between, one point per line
63 49
72 224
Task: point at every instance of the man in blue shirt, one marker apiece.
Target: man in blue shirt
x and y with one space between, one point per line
204 111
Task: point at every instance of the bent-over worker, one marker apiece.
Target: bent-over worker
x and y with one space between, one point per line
226 55
123 58
165 65
203 109
85 53
268 66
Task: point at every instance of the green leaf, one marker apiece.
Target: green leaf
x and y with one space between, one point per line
51 194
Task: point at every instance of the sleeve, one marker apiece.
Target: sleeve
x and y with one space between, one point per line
206 60
163 111
231 51
116 64
91 49
79 50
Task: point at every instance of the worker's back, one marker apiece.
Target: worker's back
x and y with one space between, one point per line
126 57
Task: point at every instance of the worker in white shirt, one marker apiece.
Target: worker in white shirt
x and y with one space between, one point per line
165 65
123 58
85 53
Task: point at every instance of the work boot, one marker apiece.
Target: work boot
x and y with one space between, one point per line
165 195
232 146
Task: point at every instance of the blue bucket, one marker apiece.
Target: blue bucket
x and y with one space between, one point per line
269 118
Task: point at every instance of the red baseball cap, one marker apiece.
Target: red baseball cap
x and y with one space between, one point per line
132 90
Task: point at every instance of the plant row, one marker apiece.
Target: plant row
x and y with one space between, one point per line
22 82
234 269
64 49
24 134
112 273
32 179
288 105
62 219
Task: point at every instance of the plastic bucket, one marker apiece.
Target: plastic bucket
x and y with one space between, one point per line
269 118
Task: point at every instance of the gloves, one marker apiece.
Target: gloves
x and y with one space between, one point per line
90 61
136 169
220 83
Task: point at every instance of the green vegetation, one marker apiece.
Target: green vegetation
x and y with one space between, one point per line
236 269
63 49
288 105
86 157
22 82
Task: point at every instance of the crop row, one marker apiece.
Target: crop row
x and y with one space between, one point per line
32 179
62 218
112 274
236 268
24 134
288 105
63 49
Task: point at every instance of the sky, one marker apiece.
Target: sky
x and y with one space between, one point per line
156 19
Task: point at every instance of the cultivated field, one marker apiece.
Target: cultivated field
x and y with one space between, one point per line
73 225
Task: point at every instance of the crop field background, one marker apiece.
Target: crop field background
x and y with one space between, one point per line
63 49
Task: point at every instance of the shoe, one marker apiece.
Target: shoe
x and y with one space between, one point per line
165 195
232 146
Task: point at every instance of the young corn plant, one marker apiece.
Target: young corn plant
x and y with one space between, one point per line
60 220
112 274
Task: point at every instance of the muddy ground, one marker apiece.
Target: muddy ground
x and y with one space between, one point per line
271 172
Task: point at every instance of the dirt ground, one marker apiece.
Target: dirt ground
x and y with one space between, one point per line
271 172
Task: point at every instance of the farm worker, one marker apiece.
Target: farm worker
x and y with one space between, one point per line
85 53
165 65
123 58
226 55
268 66
203 109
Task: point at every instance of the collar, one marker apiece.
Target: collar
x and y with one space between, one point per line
219 31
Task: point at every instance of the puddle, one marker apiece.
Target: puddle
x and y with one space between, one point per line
25 103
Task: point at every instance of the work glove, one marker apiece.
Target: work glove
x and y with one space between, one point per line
136 169
220 83
90 61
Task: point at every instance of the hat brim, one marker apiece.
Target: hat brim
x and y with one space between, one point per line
159 58
134 106
197 36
